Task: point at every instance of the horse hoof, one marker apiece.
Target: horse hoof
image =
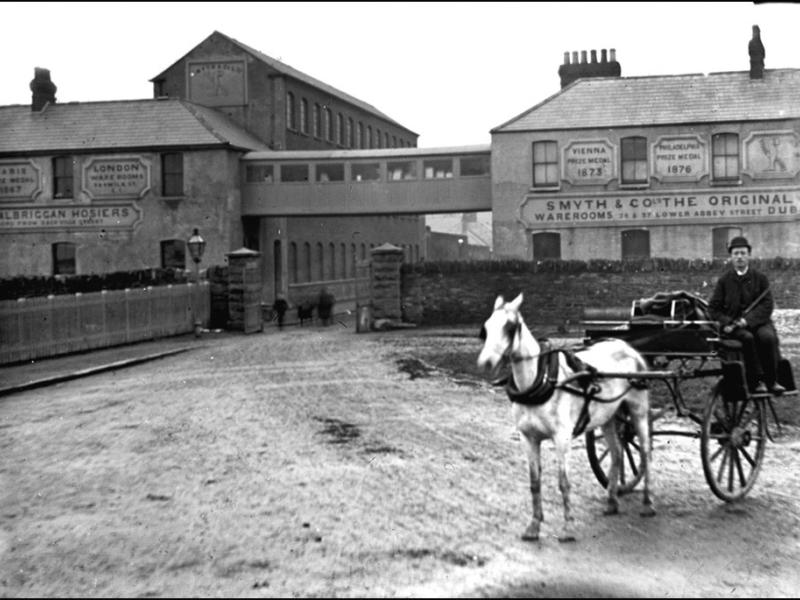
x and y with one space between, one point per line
531 534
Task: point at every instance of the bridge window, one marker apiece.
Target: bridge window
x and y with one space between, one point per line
394 141
303 115
258 174
306 262
329 125
545 164
342 273
725 151
370 143
546 245
330 172
340 135
294 173
635 244
406 169
378 138
360 139
474 165
721 236
386 140
63 258
633 157
320 266
293 262
438 168
350 133
291 111
366 171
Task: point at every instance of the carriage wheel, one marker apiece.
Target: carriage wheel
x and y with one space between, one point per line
732 444
630 473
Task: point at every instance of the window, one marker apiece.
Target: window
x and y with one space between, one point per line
340 135
317 121
370 143
172 174
378 138
546 245
394 141
406 169
725 152
352 266
365 171
62 177
294 173
329 128
293 263
251 229
63 258
330 270
258 173
545 164
360 139
303 115
635 243
306 262
173 254
634 160
386 140
330 172
438 168
721 236
320 262
351 143
291 111
474 165
342 272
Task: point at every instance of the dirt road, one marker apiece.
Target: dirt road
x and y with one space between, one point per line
310 463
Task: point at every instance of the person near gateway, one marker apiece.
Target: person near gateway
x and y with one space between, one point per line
742 303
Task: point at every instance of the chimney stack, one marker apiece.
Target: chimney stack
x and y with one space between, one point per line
576 70
757 53
43 89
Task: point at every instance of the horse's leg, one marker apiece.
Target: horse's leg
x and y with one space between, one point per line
639 409
535 471
562 443
615 449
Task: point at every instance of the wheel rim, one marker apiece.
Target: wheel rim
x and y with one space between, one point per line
732 445
630 473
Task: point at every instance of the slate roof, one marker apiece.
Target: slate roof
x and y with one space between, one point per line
117 125
289 71
664 100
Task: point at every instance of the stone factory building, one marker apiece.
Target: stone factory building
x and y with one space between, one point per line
664 166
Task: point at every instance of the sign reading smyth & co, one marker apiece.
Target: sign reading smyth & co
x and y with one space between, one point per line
117 216
695 207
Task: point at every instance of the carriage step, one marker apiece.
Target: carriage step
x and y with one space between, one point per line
733 386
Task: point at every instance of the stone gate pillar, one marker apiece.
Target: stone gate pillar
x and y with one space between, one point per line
244 290
386 261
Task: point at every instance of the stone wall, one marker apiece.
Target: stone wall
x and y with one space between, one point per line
556 293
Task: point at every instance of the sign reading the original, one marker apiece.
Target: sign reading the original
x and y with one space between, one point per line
116 177
217 82
19 179
44 218
694 207
772 155
680 158
589 162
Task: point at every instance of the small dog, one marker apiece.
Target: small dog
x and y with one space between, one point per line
305 312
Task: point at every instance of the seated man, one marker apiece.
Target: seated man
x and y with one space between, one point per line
742 303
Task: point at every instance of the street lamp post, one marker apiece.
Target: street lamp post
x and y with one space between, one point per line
197 246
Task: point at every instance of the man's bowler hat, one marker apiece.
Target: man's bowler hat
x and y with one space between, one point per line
739 242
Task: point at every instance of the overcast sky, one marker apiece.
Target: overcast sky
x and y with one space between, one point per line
448 71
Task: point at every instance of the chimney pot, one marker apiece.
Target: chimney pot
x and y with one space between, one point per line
603 55
574 57
613 53
594 56
566 58
583 57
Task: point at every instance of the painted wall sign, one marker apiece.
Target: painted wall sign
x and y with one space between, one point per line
117 216
116 177
679 158
217 82
772 155
19 179
639 209
589 162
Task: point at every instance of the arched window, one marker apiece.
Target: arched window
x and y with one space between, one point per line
329 125
342 271
351 143
353 258
360 137
63 258
378 138
303 115
340 136
293 274
331 270
306 262
320 266
369 137
635 244
317 121
546 245
291 111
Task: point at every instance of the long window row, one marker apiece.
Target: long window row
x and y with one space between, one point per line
341 130
634 161
634 243
396 170
171 175
320 261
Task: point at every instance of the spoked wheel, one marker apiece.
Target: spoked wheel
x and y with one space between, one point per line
630 472
732 444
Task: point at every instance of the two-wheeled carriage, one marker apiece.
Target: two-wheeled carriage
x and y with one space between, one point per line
680 343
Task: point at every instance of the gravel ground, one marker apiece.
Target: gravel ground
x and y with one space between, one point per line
318 462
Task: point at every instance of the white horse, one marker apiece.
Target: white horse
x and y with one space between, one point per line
507 338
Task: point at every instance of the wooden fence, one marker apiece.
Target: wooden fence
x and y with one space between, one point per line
32 328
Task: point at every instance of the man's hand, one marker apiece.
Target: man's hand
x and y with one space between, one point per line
735 324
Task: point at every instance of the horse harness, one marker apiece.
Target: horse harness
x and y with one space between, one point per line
583 383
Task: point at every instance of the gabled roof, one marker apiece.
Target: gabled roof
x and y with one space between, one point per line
118 124
664 100
299 76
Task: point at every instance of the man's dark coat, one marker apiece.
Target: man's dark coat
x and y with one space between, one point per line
734 293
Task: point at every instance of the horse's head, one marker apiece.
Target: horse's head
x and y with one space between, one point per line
499 331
